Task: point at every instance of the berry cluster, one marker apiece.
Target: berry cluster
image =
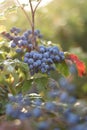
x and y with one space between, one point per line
62 108
24 41
44 59
39 58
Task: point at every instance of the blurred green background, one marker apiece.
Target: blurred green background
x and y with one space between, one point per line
61 21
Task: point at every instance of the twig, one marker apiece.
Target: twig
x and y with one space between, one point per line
29 20
32 12
37 6
33 23
31 6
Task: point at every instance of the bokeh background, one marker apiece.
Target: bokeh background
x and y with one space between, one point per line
63 22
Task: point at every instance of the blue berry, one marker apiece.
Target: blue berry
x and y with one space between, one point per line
30 61
46 55
19 50
61 54
38 62
27 54
72 118
43 125
49 61
30 46
9 109
31 66
13 45
36 112
64 97
42 49
35 64
43 70
50 106
25 59
57 58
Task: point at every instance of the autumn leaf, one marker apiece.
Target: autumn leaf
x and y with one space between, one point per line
81 68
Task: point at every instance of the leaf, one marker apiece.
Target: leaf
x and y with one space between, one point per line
4 46
84 88
39 75
1 55
25 69
23 66
27 86
11 76
54 75
41 85
80 65
36 85
3 80
63 68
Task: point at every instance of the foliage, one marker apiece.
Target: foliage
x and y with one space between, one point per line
35 82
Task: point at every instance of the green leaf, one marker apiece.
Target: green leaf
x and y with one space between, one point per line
1 55
13 63
27 86
84 88
25 69
62 68
37 82
14 68
41 85
38 75
4 47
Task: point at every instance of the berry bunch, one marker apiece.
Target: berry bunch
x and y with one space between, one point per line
25 41
39 58
44 59
63 108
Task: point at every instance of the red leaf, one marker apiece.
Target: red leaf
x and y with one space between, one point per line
79 64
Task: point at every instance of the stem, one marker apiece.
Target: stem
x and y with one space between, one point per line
28 18
37 6
33 20
33 15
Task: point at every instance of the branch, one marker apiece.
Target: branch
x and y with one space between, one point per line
33 10
32 13
29 20
37 6
31 6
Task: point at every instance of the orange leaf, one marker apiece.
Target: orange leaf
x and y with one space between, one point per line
79 64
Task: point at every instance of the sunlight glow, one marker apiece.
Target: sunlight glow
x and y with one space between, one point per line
43 2
2 1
